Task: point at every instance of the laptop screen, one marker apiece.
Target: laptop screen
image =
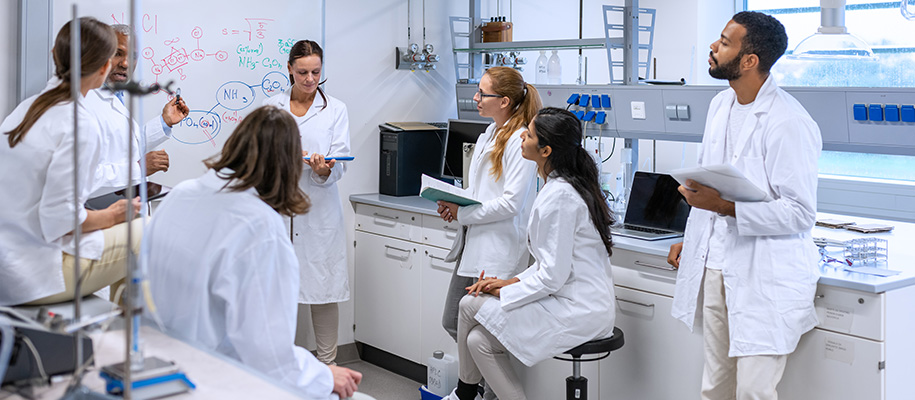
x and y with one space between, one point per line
654 202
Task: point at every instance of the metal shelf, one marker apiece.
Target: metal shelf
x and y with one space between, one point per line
537 45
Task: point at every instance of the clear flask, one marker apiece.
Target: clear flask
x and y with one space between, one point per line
554 69
541 68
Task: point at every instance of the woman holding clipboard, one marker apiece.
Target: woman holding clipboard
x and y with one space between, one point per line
317 237
494 235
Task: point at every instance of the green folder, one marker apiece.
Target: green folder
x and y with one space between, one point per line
436 195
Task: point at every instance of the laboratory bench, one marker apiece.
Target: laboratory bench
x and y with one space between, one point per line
861 348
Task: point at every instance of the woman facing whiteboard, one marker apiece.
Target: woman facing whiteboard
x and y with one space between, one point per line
318 237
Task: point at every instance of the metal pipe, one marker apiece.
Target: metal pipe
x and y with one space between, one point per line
75 75
132 324
631 45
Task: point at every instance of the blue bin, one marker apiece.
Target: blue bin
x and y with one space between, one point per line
427 395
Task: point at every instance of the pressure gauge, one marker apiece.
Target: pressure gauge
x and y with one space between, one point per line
429 49
414 48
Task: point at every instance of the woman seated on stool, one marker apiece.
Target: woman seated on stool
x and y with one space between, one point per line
566 297
221 265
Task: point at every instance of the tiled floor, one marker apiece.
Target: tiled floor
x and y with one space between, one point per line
383 384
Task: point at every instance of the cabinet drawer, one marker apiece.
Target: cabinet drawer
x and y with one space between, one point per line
832 366
389 222
850 311
439 233
643 272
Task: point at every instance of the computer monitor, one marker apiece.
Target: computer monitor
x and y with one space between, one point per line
460 131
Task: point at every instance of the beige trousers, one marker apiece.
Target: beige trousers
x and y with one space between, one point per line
107 270
726 378
481 355
326 319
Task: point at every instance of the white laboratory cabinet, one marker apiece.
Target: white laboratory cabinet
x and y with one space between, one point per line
661 359
400 281
861 349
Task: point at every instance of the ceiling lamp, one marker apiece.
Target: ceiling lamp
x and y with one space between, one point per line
832 40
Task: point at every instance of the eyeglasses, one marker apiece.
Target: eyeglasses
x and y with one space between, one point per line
481 94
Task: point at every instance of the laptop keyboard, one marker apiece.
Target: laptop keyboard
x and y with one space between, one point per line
644 229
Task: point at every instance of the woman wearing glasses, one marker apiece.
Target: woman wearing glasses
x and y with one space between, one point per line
566 297
494 234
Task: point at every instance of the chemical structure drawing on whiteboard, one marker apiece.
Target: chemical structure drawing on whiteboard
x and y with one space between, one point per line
178 57
232 96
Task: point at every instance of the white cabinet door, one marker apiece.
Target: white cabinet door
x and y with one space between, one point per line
832 366
436 275
387 302
660 360
547 379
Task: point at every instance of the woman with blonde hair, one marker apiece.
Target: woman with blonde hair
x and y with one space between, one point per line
566 297
494 234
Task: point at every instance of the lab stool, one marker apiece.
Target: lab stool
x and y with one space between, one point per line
577 385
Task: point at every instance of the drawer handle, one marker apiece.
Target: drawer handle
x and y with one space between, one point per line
819 296
448 228
646 305
436 258
406 252
381 219
645 264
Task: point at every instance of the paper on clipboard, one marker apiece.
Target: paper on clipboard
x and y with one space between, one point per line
724 178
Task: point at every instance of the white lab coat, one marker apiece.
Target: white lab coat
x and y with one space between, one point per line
319 237
113 116
770 269
37 209
223 275
495 233
566 297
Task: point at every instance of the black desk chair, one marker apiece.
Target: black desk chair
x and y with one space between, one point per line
577 385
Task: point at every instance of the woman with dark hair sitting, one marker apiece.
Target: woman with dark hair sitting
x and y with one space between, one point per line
566 297
221 265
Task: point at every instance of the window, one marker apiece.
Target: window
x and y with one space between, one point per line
892 37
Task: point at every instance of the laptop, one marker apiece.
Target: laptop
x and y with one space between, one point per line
656 210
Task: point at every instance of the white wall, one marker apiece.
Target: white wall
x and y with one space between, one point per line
359 52
359 67
9 45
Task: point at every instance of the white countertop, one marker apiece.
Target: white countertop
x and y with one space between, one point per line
901 244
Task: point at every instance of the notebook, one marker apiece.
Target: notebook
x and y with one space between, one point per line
656 210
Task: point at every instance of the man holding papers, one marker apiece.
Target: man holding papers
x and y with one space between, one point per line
756 260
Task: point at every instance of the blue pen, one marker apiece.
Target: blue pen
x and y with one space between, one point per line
342 158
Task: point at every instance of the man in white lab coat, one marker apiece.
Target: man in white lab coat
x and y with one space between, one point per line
114 118
755 261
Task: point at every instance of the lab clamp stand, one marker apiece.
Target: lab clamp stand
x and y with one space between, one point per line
137 377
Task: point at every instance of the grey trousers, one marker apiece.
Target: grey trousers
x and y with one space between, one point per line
456 291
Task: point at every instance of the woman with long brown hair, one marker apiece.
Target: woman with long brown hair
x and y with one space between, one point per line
221 266
36 159
494 235
318 239
566 297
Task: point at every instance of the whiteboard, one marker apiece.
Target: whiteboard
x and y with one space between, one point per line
227 58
